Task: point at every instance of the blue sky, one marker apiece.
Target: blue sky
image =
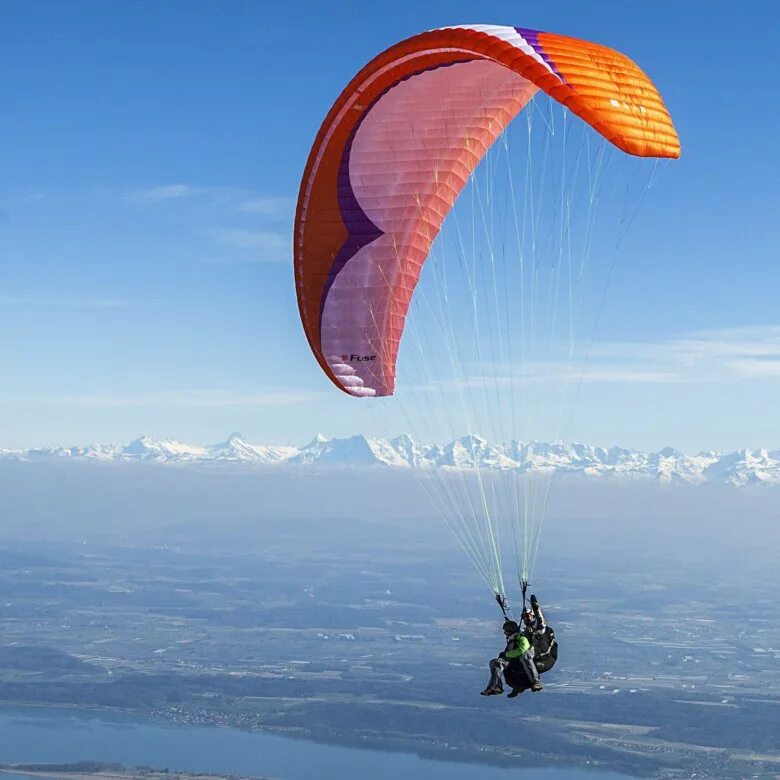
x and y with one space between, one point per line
151 154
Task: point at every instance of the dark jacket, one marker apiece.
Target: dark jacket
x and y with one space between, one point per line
536 621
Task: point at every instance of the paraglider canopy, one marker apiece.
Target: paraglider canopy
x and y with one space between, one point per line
397 148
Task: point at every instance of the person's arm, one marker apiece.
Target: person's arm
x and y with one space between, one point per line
521 647
538 614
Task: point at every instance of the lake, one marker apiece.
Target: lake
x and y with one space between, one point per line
61 735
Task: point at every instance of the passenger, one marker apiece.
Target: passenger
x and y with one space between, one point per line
542 637
533 618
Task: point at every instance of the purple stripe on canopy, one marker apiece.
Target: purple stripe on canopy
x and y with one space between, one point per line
532 37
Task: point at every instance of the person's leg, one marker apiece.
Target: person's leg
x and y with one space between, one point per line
496 670
527 660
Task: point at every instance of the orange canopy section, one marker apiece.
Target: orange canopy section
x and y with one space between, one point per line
397 148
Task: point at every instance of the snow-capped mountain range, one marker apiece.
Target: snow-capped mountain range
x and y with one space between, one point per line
740 468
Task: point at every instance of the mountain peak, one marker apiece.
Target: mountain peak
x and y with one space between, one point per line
669 452
318 439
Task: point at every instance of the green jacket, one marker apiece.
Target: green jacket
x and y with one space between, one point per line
516 646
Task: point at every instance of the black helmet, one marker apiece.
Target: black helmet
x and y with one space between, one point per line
510 627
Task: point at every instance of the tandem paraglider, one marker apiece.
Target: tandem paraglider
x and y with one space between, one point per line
531 649
492 331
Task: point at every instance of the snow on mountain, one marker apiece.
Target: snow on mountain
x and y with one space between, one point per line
237 448
413 453
386 453
88 452
6 454
741 468
545 458
146 448
746 467
474 452
354 451
672 466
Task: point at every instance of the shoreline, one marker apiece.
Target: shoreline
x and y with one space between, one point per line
427 751
107 771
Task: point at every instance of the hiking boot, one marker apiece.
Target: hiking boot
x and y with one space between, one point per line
514 693
536 687
491 691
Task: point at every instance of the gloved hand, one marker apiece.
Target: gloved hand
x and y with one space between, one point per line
534 601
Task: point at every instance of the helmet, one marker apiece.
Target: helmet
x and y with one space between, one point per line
510 627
